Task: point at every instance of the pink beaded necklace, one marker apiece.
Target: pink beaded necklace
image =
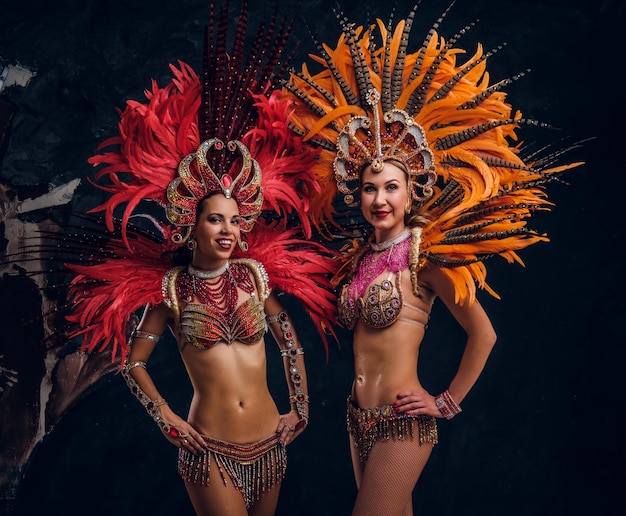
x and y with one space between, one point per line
393 258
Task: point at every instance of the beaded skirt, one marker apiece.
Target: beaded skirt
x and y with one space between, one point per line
253 468
368 426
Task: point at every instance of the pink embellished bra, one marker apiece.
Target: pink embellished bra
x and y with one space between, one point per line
379 307
203 324
377 304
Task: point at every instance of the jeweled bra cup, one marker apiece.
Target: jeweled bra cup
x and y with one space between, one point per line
204 327
347 309
382 303
379 307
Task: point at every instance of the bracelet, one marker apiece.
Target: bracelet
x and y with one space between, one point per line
272 318
151 406
446 405
302 398
291 352
136 363
140 334
299 397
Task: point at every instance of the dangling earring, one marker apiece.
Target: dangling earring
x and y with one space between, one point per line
407 206
242 245
192 244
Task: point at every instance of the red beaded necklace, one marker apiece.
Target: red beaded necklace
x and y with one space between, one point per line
217 291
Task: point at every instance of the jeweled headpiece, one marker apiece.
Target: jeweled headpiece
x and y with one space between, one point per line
197 179
365 141
374 100
213 132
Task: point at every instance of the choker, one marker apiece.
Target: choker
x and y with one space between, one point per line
388 243
204 275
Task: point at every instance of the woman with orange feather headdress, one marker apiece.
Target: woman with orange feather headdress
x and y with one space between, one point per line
420 143
232 183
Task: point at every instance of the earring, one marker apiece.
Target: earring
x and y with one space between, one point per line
242 245
409 201
191 244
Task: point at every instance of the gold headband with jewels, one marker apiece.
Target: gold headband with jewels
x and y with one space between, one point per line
197 179
364 141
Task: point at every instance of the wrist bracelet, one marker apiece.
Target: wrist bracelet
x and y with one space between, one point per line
446 405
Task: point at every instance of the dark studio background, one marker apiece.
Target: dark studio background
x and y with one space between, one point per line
542 431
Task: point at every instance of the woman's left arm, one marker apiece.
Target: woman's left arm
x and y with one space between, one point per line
292 424
481 338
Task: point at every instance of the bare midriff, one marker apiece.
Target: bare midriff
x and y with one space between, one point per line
231 399
385 359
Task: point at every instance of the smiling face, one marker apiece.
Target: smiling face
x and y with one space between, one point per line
216 231
384 197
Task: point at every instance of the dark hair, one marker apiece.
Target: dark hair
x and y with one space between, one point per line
200 207
182 256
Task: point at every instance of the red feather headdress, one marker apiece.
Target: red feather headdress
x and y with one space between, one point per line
164 153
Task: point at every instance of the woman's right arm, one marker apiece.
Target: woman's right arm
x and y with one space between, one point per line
135 372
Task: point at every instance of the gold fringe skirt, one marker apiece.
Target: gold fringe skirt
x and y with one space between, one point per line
368 426
253 468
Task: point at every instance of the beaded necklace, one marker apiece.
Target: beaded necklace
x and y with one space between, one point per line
394 258
207 274
217 289
389 243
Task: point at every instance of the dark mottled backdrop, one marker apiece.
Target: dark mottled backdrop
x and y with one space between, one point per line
542 431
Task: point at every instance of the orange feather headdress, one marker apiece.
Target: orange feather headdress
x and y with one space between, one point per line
375 100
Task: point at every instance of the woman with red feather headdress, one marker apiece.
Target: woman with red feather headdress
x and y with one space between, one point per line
234 182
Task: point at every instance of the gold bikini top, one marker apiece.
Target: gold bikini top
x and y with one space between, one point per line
379 307
204 325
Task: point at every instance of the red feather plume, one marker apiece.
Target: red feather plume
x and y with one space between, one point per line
234 100
300 268
105 295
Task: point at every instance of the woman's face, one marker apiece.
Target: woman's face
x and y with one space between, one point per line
216 231
384 197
